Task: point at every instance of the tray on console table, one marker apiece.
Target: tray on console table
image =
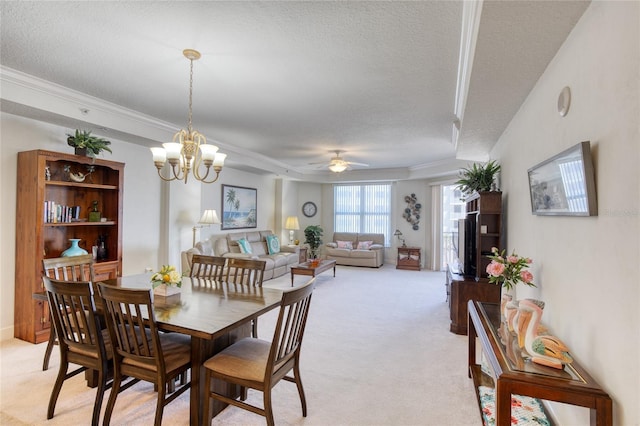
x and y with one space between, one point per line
514 375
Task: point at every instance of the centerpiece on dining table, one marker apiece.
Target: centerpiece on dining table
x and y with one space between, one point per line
167 281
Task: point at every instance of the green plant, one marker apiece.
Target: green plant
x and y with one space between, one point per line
84 140
312 234
477 178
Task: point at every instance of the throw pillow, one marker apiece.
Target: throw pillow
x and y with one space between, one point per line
244 245
364 245
273 244
345 245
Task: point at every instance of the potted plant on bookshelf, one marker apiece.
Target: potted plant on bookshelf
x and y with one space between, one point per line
86 144
478 178
312 235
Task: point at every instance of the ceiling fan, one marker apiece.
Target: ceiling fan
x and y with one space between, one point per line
338 164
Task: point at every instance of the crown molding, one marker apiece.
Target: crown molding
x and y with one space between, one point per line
471 13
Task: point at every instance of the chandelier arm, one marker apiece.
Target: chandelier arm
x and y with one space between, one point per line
196 173
164 178
217 170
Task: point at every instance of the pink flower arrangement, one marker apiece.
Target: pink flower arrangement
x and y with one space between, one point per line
509 270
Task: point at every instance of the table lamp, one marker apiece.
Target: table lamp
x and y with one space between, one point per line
208 218
292 225
399 235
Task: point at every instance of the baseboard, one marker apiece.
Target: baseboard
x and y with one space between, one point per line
6 333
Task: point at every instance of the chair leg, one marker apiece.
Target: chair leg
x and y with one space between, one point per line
162 390
115 389
243 393
62 373
97 405
47 352
268 410
303 400
254 328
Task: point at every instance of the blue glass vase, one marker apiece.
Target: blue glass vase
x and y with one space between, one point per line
75 249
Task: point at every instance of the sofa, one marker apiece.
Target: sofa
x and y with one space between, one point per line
228 245
353 249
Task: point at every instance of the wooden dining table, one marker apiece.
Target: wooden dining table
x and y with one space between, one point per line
215 314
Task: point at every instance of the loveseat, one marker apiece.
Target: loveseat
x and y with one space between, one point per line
355 249
278 263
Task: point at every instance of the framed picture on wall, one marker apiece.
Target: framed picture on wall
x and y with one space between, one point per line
239 207
564 185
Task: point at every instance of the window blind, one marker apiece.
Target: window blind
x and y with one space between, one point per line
363 208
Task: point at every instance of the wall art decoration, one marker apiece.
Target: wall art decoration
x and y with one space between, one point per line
412 211
239 207
564 185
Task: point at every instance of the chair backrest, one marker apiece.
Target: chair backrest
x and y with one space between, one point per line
133 331
72 268
74 317
211 267
245 271
287 338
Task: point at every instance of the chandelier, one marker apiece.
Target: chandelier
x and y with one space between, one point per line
189 149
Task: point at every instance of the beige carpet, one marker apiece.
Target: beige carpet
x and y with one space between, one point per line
377 351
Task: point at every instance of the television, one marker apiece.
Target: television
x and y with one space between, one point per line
466 247
564 185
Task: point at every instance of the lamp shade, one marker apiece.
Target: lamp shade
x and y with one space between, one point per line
209 217
292 223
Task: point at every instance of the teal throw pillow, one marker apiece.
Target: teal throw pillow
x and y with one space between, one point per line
273 244
244 245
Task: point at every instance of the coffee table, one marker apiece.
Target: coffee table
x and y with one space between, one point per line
306 269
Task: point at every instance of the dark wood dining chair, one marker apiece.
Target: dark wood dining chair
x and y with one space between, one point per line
81 339
209 267
72 268
140 350
259 364
247 272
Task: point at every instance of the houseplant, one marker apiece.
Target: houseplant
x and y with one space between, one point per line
312 234
86 144
477 178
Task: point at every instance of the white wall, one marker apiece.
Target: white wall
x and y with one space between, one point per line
141 218
266 190
413 238
587 269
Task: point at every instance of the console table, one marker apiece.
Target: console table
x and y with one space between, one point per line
511 374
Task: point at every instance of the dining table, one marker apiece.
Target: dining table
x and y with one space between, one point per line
215 314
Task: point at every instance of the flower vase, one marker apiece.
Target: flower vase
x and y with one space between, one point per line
75 249
166 290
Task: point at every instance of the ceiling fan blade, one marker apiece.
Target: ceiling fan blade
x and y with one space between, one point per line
353 163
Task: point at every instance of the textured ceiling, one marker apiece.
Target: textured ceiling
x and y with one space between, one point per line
286 83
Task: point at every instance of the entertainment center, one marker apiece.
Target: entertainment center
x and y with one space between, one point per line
479 231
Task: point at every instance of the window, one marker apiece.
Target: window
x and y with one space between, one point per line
453 208
364 208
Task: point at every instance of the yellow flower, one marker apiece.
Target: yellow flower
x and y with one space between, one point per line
167 275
